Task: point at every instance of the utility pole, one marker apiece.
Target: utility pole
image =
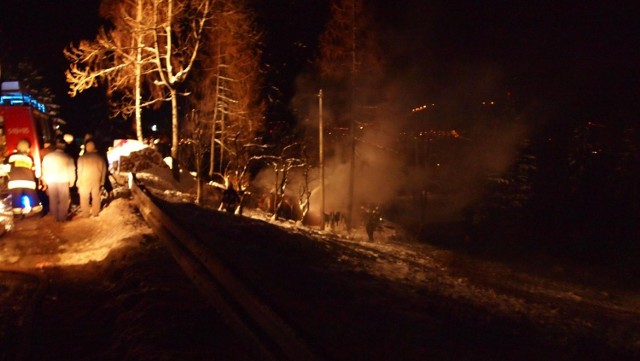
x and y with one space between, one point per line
354 68
352 174
321 157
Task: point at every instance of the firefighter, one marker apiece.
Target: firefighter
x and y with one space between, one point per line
58 174
22 181
92 171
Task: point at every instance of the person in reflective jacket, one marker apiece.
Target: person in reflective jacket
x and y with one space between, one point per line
92 170
22 181
58 174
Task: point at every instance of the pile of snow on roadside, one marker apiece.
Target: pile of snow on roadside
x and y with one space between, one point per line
160 180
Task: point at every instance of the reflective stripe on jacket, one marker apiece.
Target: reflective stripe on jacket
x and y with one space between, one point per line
21 171
13 184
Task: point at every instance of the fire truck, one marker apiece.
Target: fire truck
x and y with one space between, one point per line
22 117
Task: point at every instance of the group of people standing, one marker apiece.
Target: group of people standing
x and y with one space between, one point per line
62 168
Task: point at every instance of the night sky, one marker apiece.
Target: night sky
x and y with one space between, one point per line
553 55
575 56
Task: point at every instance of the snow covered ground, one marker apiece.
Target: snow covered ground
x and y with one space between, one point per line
41 242
114 291
399 258
101 289
550 305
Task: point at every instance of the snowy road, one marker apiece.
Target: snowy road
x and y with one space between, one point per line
110 291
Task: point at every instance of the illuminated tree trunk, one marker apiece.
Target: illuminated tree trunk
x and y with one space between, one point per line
174 59
175 130
138 73
222 131
212 149
212 155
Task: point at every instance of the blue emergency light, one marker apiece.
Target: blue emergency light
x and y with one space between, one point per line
26 202
21 99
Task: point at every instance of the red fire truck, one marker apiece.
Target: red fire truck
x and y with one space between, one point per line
23 117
